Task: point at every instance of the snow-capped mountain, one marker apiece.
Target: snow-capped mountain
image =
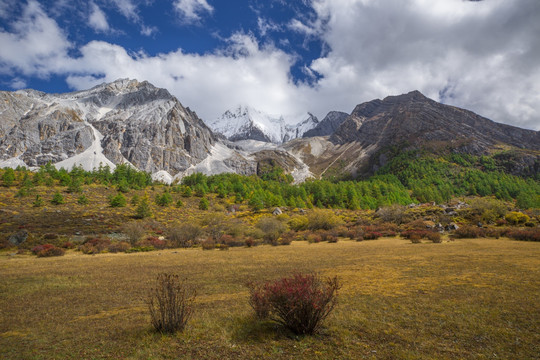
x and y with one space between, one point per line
247 123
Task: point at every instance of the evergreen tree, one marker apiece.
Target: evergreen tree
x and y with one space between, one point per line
143 209
57 199
203 204
8 177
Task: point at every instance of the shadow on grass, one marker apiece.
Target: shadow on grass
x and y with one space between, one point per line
249 329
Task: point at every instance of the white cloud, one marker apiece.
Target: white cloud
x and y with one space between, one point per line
190 10
17 84
128 9
266 26
97 19
36 45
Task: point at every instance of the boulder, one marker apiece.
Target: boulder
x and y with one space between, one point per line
18 238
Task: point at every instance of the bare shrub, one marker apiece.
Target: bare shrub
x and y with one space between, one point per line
393 213
272 228
184 235
170 303
134 231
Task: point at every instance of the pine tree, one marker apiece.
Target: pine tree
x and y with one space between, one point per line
143 209
57 199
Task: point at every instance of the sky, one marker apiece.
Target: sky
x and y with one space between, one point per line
283 57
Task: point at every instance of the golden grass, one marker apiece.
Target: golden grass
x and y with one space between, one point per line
462 299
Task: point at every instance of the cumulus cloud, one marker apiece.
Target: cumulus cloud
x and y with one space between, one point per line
97 19
35 46
190 10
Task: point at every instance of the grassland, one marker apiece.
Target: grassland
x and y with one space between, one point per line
462 299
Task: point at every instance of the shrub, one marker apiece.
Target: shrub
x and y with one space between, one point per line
298 223
323 219
208 244
170 303
272 228
300 303
332 239
184 235
250 242
120 246
516 217
153 241
47 250
415 238
467 231
68 245
525 235
119 200
134 231
95 245
434 237
372 235
393 213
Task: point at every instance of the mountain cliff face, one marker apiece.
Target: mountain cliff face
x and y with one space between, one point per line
328 125
247 123
122 122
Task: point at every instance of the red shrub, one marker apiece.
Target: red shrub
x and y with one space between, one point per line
300 302
525 235
120 246
153 241
469 232
37 249
68 245
372 235
249 242
47 250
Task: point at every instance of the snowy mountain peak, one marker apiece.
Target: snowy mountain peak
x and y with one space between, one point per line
248 123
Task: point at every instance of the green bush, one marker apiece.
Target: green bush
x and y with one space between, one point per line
57 199
119 200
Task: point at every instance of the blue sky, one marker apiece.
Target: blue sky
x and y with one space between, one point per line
283 57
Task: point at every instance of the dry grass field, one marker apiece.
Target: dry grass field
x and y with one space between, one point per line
463 299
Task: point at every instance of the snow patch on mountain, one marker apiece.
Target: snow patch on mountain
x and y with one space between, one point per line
89 159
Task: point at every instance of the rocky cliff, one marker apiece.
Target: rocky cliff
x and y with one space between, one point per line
124 121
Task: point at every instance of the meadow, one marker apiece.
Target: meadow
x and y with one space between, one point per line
459 299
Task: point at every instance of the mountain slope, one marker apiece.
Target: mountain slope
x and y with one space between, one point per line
413 118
